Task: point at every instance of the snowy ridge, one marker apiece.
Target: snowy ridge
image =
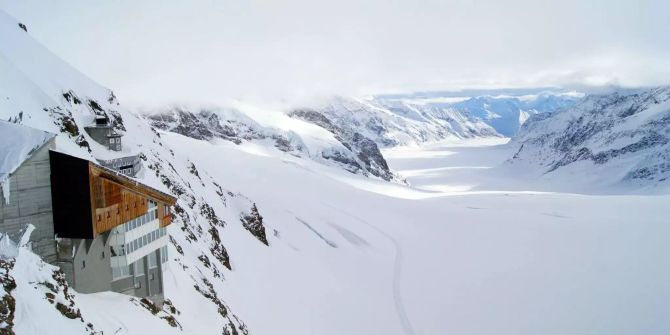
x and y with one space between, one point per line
620 139
394 123
330 146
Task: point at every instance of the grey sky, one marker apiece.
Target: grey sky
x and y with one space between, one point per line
156 52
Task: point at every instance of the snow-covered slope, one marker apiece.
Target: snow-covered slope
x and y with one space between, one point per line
39 90
619 139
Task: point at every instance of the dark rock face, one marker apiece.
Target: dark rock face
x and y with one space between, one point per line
629 130
359 154
253 222
367 155
207 125
202 125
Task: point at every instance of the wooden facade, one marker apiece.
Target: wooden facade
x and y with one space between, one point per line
106 199
164 215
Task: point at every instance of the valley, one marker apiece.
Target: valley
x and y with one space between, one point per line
461 246
476 211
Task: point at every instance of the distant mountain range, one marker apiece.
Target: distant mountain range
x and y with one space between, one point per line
616 139
504 110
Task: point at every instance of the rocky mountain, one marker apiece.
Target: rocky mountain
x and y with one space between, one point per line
336 147
225 124
367 154
393 123
619 138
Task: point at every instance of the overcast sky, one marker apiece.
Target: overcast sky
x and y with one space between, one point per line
158 52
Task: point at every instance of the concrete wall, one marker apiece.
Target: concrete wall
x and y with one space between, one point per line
30 202
101 134
92 265
155 275
146 284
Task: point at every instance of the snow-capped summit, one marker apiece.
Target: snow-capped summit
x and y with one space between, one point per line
621 138
504 110
396 123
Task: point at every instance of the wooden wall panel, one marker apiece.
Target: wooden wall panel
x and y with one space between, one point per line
118 205
164 215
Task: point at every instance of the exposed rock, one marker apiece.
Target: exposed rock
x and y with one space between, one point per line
366 155
7 302
253 222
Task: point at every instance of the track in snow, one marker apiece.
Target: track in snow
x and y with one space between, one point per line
397 271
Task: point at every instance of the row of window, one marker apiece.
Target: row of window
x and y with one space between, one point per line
138 266
146 239
139 242
120 272
142 220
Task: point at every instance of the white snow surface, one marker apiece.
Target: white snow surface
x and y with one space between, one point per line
467 249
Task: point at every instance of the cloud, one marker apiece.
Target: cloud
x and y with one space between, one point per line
158 52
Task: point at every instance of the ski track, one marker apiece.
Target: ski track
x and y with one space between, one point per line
407 327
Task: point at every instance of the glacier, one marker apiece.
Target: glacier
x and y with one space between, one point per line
467 235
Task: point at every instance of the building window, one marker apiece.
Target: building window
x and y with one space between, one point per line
164 255
152 260
120 272
103 255
139 267
111 141
83 264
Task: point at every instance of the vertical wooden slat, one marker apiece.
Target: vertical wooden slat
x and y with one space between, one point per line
116 204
